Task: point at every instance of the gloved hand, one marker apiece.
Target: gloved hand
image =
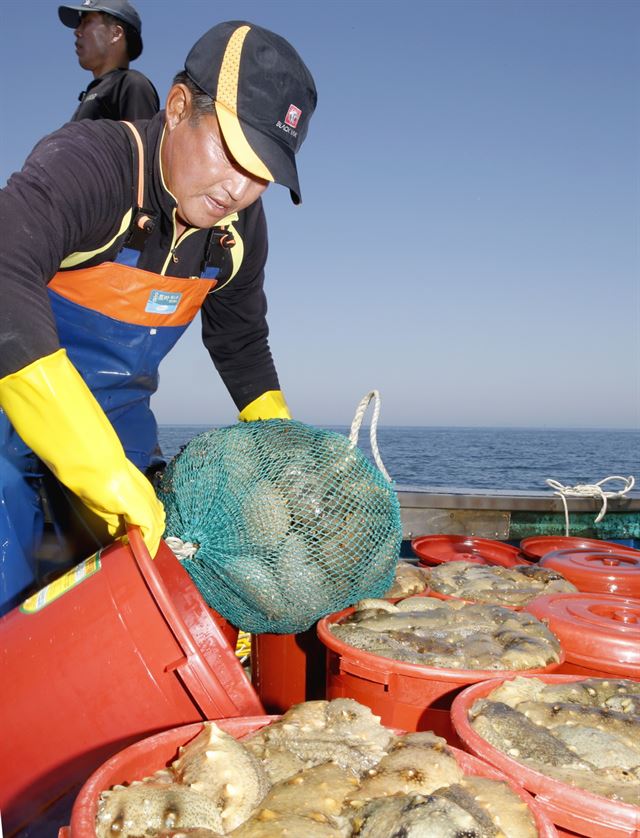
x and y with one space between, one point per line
270 405
58 417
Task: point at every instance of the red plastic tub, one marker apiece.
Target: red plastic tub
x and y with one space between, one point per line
598 571
408 696
570 808
435 549
156 752
538 546
600 633
287 668
118 648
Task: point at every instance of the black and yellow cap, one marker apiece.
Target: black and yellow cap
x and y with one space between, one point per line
264 97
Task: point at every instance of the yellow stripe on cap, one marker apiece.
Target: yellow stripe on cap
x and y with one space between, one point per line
227 107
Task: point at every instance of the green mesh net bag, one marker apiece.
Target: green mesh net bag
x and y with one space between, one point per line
280 522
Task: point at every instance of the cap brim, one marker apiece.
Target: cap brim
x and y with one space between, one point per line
260 155
70 15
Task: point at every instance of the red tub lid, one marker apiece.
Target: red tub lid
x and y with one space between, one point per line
598 571
538 546
594 628
435 549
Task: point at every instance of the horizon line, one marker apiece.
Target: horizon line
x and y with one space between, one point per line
366 424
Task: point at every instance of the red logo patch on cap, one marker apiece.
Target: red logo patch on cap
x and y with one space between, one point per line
293 115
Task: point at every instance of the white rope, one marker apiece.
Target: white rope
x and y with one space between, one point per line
181 549
357 422
590 490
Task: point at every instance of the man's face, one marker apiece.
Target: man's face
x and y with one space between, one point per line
201 174
93 40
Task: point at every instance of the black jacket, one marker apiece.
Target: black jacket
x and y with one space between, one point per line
119 94
70 199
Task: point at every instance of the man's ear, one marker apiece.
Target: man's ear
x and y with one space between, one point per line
178 106
117 33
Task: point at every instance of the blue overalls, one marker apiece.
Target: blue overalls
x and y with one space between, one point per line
117 322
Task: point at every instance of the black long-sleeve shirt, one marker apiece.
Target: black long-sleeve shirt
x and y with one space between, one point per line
70 198
118 94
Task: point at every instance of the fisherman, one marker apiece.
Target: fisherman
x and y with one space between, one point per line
108 36
115 236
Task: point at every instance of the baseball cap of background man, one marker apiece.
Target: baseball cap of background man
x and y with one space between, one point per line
264 96
120 9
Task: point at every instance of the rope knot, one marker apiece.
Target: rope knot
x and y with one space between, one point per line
590 490
181 549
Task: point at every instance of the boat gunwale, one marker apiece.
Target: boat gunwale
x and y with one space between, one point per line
508 500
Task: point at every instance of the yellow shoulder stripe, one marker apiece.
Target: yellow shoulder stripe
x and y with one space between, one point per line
74 259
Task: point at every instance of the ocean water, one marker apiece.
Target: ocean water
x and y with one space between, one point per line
519 459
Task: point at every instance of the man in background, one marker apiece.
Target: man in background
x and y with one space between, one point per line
108 37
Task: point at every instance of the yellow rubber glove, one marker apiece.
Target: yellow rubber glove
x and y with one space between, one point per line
270 405
58 417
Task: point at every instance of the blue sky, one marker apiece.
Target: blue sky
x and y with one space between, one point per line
468 242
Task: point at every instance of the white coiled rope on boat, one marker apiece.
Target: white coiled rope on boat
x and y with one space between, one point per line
590 490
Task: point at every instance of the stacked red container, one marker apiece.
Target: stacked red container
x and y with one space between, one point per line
537 546
598 571
599 633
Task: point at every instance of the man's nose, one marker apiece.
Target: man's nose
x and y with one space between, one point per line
237 184
78 28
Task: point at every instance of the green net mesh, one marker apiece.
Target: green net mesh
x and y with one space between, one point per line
289 522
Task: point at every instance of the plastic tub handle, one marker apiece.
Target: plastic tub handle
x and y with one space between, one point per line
390 680
617 613
611 560
205 688
352 668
